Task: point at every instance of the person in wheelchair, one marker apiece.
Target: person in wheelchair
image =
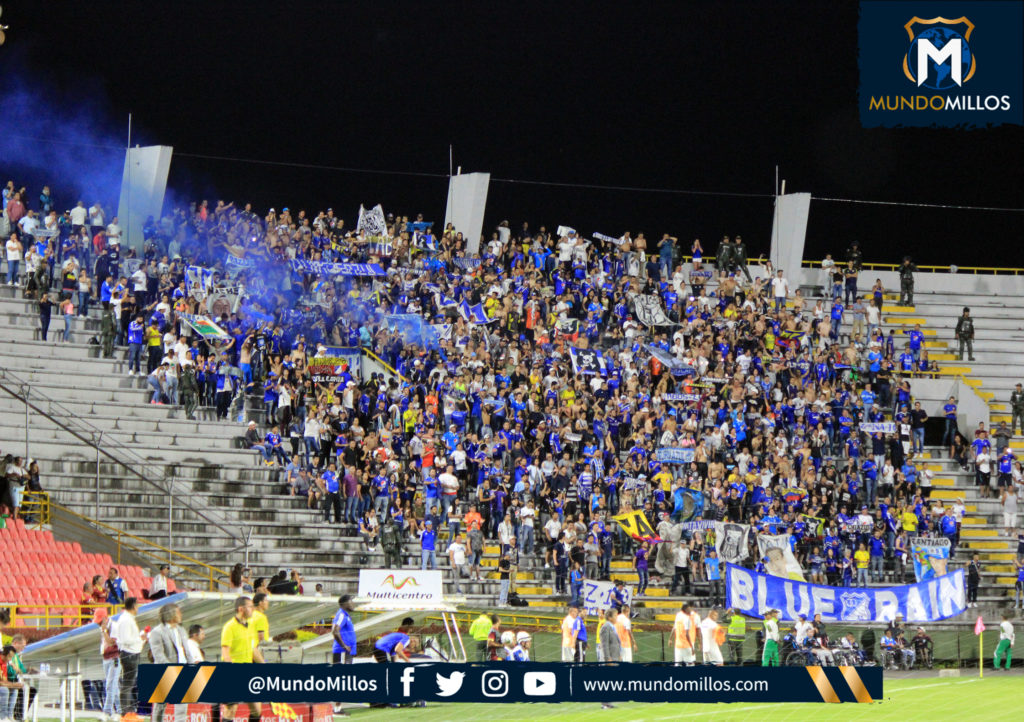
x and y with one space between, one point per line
852 650
890 653
923 647
906 651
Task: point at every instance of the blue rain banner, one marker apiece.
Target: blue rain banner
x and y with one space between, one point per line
752 594
320 268
503 682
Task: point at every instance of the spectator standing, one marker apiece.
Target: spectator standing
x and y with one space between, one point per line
570 632
608 637
770 658
780 290
15 252
1017 409
111 666
907 270
973 580
10 686
457 561
428 545
965 334
116 588
129 643
479 631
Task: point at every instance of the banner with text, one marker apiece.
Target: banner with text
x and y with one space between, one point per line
752 594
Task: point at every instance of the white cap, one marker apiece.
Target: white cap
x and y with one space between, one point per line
507 638
522 637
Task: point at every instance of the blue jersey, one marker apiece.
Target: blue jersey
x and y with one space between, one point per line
346 630
389 642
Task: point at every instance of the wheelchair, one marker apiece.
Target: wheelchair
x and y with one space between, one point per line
925 656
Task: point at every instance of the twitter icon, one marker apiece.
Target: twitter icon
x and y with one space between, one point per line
447 686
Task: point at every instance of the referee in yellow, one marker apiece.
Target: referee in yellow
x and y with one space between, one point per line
239 644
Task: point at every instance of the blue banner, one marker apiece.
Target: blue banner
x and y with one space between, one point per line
673 455
752 594
320 268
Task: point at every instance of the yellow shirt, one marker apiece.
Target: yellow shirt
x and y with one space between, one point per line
568 396
240 639
260 623
153 337
862 557
910 521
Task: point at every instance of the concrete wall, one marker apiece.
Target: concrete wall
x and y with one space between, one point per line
952 283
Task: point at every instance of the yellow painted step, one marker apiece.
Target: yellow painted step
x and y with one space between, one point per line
975 533
942 356
1006 568
628 577
534 590
999 406
621 565
520 576
991 545
903 320
934 467
996 418
664 617
489 549
976 384
996 556
656 592
954 370
1006 580
943 482
987 395
947 494
887 308
936 344
974 521
647 604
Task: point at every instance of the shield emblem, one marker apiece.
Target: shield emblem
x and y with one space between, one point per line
925 69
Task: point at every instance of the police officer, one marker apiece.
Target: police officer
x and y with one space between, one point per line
189 389
735 635
965 333
1017 409
739 254
907 282
724 257
107 330
391 543
854 256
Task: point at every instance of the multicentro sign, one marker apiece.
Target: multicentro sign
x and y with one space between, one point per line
970 83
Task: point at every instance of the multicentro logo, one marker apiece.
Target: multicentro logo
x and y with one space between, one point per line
939 58
389 581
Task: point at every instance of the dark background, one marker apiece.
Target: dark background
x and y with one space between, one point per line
682 96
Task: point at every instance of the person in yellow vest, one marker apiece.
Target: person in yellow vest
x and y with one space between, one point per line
684 636
735 635
770 658
479 631
712 637
260 624
238 645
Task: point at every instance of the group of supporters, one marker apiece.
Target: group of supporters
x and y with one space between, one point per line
529 387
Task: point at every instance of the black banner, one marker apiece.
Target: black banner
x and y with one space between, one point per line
504 682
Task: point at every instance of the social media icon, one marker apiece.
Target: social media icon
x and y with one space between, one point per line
494 683
408 675
447 686
539 684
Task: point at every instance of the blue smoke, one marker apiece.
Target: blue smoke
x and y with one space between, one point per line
70 146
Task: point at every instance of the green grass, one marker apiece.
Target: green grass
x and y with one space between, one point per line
990 699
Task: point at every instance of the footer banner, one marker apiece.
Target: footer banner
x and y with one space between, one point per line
501 682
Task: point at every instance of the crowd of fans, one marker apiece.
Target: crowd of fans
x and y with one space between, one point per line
488 428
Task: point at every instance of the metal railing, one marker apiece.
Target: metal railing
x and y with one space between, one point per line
114 452
192 568
50 615
994 270
35 508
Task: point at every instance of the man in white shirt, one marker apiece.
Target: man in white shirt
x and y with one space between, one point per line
158 587
96 218
196 636
709 635
114 230
139 284
29 223
130 643
527 516
457 559
780 289
803 629
78 216
1006 641
449 491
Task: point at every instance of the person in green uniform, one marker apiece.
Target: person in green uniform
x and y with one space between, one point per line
770 658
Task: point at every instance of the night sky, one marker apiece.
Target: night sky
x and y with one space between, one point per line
681 96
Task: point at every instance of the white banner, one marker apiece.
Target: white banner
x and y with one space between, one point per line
649 311
781 562
400 588
884 427
598 595
731 541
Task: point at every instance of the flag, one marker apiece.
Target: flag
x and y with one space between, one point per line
587 361
979 626
636 525
792 495
689 505
284 711
791 339
204 327
473 314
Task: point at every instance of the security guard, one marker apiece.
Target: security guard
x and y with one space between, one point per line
735 635
107 330
189 389
965 333
391 543
724 257
479 630
739 255
907 282
1017 408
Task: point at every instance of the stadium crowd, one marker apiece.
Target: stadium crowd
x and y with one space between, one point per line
492 418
